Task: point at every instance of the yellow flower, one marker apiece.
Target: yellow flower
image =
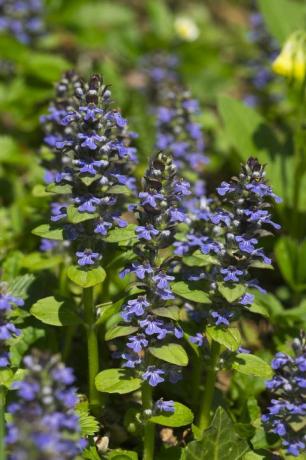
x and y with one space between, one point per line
291 62
186 29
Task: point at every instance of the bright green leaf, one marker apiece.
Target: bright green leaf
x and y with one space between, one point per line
230 337
172 312
119 454
75 217
56 313
252 365
121 234
119 331
231 293
37 261
45 231
86 278
172 353
184 290
116 381
181 416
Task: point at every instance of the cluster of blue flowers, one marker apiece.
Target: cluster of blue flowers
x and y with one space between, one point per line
161 71
8 330
22 18
228 231
92 161
260 73
287 412
43 421
158 215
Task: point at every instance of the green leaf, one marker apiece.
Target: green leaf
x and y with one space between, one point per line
59 189
259 309
90 454
230 337
6 377
119 454
290 256
200 260
220 441
184 290
39 191
47 67
37 261
22 343
86 278
56 313
75 217
172 353
121 234
119 189
279 26
231 293
45 231
18 286
252 365
181 416
172 312
119 331
88 424
116 381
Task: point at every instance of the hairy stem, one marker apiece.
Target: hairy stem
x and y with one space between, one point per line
208 395
92 349
149 428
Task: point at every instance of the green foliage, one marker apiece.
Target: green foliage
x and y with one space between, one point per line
252 365
184 290
172 353
119 454
88 424
181 416
22 343
291 256
230 337
86 278
231 293
117 235
45 231
55 312
116 381
219 441
119 331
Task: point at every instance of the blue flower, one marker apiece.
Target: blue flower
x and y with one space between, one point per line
164 406
153 375
87 257
146 232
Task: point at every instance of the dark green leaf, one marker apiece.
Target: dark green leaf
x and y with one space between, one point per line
182 416
172 353
184 290
116 381
28 336
54 312
219 442
119 454
86 278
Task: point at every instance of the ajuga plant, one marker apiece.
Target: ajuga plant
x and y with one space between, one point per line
226 237
287 412
153 351
43 420
161 71
8 329
23 19
93 153
260 75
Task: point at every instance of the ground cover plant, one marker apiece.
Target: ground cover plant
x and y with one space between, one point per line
152 244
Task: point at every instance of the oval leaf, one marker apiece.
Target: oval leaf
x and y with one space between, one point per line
172 353
182 416
231 293
182 289
230 337
121 234
54 312
119 331
252 365
86 278
45 231
116 381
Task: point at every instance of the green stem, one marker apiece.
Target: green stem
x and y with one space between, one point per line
92 349
2 422
197 369
209 390
149 428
